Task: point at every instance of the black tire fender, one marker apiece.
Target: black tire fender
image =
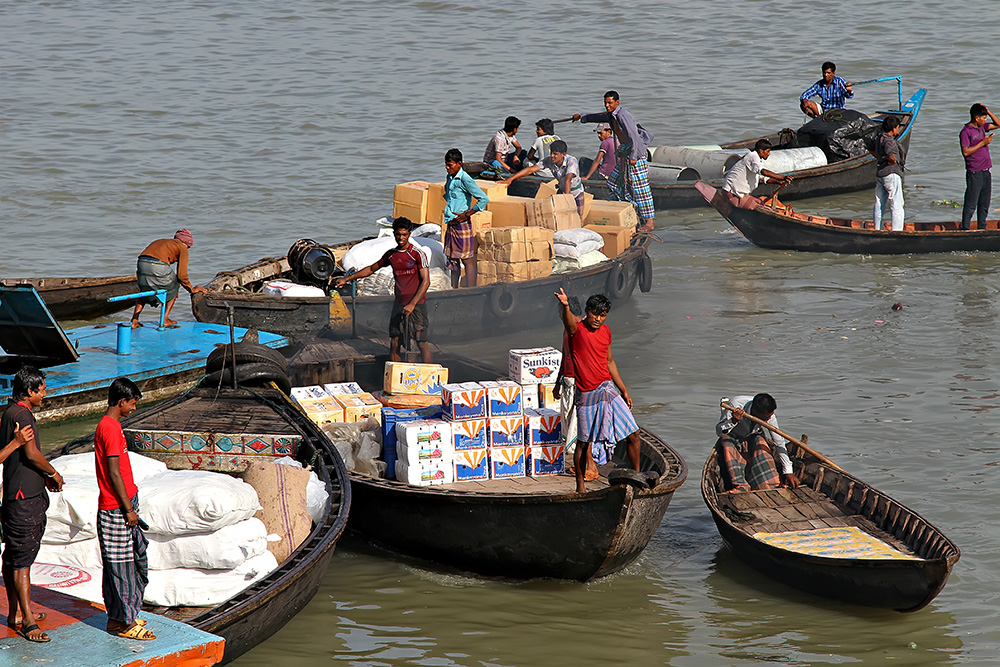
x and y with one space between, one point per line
245 353
645 274
503 301
619 284
628 476
250 375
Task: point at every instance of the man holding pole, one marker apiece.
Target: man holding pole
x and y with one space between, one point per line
749 454
630 179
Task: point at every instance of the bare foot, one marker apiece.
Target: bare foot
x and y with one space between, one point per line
648 227
136 324
169 322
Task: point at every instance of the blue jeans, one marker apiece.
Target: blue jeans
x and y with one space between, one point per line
978 188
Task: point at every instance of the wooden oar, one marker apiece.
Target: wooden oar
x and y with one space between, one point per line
804 446
563 120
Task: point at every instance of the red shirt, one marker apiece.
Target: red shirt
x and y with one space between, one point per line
109 440
590 356
406 265
567 359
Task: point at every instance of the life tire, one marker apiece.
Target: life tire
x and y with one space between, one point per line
628 476
245 353
503 301
619 284
249 375
645 274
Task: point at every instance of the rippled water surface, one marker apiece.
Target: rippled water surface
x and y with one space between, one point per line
256 123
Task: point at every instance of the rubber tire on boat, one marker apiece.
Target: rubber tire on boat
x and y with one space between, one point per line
500 294
245 353
249 375
645 274
619 286
628 476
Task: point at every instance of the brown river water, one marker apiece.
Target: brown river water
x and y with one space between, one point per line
256 123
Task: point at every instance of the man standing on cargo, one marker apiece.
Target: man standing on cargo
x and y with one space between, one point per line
26 475
412 275
629 181
603 405
975 144
153 272
832 90
459 244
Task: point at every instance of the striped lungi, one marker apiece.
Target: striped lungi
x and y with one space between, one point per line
152 274
459 244
747 464
636 191
603 418
123 556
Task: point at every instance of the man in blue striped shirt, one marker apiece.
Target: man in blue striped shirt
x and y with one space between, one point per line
833 92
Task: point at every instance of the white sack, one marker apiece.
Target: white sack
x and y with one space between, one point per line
576 251
85 554
223 549
203 588
287 288
182 502
368 252
567 264
577 237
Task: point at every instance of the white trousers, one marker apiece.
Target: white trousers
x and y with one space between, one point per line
889 195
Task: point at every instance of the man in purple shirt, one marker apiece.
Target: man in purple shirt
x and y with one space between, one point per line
975 144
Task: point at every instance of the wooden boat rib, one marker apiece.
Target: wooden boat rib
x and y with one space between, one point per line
831 498
455 314
260 610
777 226
850 175
80 298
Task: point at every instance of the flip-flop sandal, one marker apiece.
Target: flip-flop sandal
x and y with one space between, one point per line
25 630
136 631
40 616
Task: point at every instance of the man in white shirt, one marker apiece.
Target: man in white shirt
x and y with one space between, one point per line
744 176
750 456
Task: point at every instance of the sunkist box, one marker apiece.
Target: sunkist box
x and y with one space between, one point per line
503 398
542 427
546 460
470 434
472 465
614 213
533 365
616 239
464 400
409 200
507 461
406 378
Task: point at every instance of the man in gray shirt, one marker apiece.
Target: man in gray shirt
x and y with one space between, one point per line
889 175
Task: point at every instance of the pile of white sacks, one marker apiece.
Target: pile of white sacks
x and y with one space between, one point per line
576 249
204 543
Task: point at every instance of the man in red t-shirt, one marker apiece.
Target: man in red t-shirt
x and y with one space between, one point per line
603 405
413 278
123 544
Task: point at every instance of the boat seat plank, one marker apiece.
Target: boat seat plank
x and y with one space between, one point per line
554 484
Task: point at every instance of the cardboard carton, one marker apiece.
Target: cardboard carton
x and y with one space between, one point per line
533 365
503 398
546 396
505 431
465 400
507 462
472 465
424 440
616 239
480 220
488 273
542 427
337 388
492 189
546 460
357 409
404 378
426 474
409 200
557 212
546 190
529 397
313 392
469 434
588 200
408 401
509 211
613 213
435 203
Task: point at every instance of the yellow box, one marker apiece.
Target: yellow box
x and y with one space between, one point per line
435 203
356 409
546 190
616 239
546 396
509 211
415 214
481 220
492 189
404 378
612 213
557 212
588 201
413 193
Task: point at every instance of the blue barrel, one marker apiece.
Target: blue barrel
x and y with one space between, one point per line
124 345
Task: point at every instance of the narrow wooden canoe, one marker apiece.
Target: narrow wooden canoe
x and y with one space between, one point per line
455 314
80 298
851 175
259 611
778 226
779 532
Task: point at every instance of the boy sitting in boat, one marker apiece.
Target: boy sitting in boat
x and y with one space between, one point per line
564 167
503 153
412 274
748 453
603 405
545 129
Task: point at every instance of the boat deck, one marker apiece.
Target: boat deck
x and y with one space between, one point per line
77 629
220 415
546 484
788 510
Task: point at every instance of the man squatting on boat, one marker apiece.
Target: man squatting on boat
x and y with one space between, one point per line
153 272
748 452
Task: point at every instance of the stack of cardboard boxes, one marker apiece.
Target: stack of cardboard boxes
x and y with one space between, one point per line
337 403
535 370
512 254
615 221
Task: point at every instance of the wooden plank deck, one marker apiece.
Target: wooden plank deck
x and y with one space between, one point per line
548 484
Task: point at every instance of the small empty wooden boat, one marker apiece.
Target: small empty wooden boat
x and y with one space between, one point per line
80 298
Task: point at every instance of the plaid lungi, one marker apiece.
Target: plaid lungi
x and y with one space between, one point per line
459 244
123 556
636 191
152 274
603 419
747 464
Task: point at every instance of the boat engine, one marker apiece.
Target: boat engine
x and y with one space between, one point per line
311 263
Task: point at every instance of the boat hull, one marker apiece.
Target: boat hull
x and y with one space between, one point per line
80 298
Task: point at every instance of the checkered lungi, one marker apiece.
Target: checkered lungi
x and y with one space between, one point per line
603 419
123 556
459 244
747 464
636 191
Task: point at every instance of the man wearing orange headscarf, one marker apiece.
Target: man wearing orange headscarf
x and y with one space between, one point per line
153 272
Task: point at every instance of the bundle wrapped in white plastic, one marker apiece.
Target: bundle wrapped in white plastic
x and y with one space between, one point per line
426 230
567 264
182 502
360 445
288 288
368 252
380 283
576 243
316 493
440 280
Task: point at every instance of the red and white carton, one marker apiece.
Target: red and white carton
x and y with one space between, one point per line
534 365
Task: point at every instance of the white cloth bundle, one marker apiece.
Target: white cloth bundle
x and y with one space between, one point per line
182 502
368 252
575 243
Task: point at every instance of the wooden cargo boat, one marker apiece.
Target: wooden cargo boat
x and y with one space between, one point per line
80 298
455 314
774 225
850 175
518 528
834 536
260 610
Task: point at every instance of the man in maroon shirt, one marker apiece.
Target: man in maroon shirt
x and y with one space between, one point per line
410 269
975 144
603 404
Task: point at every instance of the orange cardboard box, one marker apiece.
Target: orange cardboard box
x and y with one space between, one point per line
435 203
481 220
558 212
616 239
409 200
613 213
546 190
509 211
